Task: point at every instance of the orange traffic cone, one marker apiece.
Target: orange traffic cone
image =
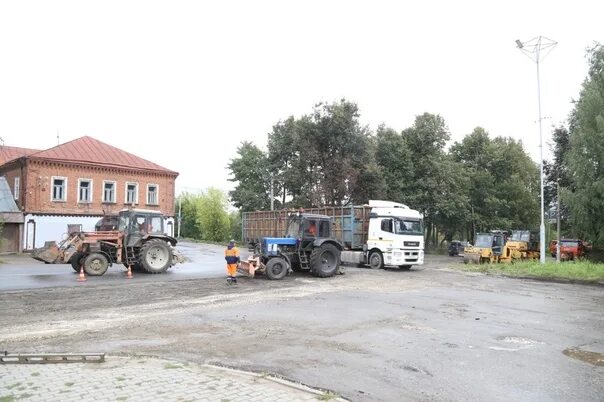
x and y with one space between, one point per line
129 274
82 277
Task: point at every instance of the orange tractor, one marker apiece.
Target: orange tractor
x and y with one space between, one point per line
139 243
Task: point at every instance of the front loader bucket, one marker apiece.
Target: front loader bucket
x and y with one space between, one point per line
49 253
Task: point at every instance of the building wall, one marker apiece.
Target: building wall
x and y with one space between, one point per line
39 192
11 172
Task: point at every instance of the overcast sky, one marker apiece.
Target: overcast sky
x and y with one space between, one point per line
182 83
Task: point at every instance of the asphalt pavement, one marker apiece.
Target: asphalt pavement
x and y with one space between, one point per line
20 271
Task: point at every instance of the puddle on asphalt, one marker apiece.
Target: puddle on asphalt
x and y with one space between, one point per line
597 359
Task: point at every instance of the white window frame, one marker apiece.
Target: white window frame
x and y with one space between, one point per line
90 197
52 188
135 193
156 194
112 201
17 187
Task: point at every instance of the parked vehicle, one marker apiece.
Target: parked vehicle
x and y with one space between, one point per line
378 234
139 242
306 244
524 245
498 246
456 247
570 249
487 248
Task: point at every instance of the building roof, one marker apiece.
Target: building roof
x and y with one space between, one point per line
88 150
8 154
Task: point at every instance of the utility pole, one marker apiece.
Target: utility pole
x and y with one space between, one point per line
179 215
272 195
532 48
558 222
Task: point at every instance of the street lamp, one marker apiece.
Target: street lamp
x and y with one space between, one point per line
533 49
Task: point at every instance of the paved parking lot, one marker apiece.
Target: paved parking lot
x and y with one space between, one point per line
427 334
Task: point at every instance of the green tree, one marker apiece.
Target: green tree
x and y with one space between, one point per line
586 155
323 158
503 182
250 170
235 225
396 162
426 140
212 215
190 227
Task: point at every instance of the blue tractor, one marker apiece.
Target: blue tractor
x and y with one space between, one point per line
308 245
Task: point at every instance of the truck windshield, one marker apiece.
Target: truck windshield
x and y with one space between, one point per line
569 243
484 240
408 226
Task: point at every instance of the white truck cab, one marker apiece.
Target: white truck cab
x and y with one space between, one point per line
395 236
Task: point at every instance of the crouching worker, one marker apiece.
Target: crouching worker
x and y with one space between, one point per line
231 255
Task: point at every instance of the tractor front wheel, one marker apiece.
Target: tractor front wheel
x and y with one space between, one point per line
276 268
96 264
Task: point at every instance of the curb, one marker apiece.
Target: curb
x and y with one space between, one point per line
279 380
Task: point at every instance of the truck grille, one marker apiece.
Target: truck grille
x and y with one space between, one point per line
411 256
411 244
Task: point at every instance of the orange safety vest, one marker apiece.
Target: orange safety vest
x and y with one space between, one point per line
231 255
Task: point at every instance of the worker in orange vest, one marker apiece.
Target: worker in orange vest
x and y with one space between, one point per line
231 255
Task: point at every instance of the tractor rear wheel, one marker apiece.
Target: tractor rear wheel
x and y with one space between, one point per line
325 260
276 268
96 264
75 261
155 256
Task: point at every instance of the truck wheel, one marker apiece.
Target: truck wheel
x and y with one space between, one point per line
276 268
96 264
376 260
75 262
325 260
155 256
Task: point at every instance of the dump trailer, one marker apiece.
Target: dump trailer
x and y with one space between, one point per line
377 234
138 243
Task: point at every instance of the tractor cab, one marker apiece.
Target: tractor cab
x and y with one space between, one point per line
137 224
309 227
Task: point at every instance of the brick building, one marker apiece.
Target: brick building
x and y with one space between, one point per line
78 182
